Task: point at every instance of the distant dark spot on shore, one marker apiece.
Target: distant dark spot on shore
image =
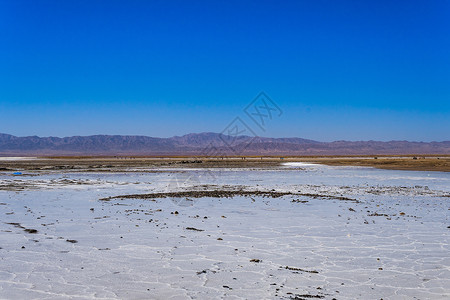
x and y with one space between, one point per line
305 296
301 270
299 201
194 229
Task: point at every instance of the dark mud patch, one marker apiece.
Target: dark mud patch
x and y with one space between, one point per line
306 296
18 225
323 196
194 229
226 194
28 230
201 194
375 214
299 201
300 270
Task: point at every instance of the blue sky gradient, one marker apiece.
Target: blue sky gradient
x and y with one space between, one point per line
339 70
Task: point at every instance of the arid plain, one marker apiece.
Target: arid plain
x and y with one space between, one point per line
234 228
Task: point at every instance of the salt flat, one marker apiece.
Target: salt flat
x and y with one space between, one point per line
338 232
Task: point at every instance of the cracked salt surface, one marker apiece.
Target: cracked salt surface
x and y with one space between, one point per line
392 244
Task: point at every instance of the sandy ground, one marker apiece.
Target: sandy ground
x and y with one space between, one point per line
175 230
111 164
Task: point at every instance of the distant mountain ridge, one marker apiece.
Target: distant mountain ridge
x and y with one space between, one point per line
208 143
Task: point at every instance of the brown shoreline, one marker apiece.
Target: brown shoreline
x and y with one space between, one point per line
117 164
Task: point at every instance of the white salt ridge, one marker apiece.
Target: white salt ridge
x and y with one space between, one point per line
11 158
300 164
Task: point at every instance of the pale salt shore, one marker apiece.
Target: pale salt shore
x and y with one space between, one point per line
298 164
11 158
391 242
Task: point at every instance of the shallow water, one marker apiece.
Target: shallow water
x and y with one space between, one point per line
392 244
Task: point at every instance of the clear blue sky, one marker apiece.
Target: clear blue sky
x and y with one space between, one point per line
354 70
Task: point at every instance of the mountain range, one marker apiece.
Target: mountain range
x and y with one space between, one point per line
206 144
